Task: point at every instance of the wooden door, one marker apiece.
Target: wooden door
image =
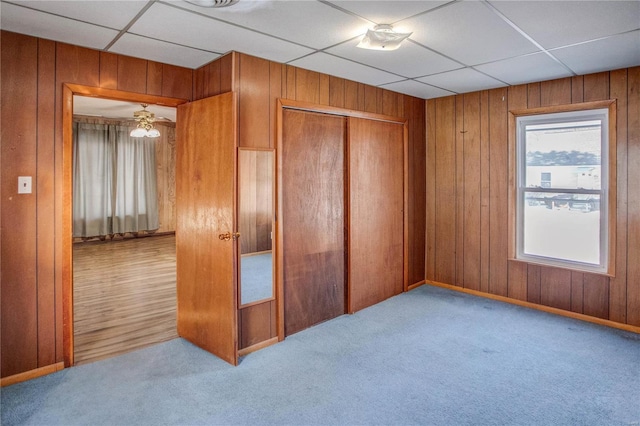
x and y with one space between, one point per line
376 211
205 210
313 218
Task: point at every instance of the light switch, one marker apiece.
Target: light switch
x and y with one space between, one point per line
24 184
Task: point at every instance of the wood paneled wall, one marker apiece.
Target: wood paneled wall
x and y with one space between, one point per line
33 73
467 197
259 83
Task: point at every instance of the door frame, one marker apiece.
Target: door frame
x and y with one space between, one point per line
283 104
68 91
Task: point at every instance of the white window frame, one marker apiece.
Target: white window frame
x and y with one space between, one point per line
604 111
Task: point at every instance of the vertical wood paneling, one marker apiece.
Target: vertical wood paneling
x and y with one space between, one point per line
471 190
555 92
633 197
459 190
555 287
618 288
616 298
445 197
498 193
198 83
227 74
517 272
108 70
254 102
275 92
390 103
336 91
431 191
307 86
18 106
533 95
596 295
485 211
176 81
577 291
577 89
154 78
350 94
132 74
44 186
596 87
324 90
533 283
370 98
81 66
291 85
416 188
33 73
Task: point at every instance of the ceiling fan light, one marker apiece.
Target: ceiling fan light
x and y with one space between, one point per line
153 133
382 37
138 132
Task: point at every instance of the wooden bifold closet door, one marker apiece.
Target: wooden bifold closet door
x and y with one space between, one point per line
313 218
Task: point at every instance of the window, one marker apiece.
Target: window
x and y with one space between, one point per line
562 189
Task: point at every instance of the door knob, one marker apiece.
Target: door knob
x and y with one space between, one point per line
228 236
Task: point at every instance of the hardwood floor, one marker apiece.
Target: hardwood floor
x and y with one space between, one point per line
124 296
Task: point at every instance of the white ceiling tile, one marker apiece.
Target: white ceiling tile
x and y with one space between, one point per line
409 60
462 81
309 23
525 69
559 23
611 53
417 89
109 13
468 32
179 26
39 24
160 51
329 64
387 12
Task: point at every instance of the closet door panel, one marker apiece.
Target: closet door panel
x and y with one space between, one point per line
313 215
376 217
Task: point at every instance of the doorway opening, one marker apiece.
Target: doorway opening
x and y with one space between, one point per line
118 282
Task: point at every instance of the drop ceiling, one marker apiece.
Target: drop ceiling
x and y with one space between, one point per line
456 46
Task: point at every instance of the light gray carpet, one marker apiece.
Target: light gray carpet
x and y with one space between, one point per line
429 357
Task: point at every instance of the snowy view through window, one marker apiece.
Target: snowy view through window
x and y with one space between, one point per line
563 224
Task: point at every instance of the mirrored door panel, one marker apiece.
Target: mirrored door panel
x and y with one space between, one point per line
255 217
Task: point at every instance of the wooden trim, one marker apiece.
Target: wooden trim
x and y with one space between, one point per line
325 109
405 208
31 374
548 309
416 285
119 95
258 346
582 106
613 185
68 91
278 226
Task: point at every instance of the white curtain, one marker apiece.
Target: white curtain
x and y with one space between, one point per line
114 181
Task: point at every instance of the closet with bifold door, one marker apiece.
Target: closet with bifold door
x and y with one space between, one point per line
342 198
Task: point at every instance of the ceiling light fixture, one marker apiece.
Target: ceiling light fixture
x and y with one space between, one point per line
213 3
145 121
382 37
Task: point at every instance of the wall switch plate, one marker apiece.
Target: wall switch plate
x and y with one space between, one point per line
24 184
